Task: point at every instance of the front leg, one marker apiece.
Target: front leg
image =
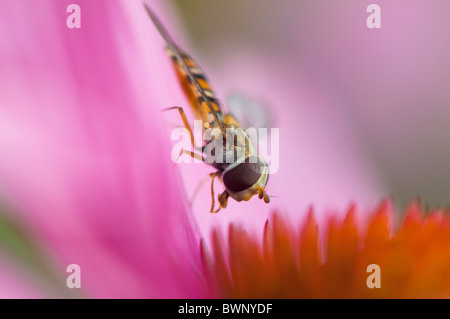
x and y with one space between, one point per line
186 124
223 198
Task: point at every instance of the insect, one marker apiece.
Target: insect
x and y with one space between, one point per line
238 166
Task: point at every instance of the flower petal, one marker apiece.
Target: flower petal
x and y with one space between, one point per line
85 157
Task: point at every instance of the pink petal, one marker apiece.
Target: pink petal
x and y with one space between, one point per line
15 284
84 155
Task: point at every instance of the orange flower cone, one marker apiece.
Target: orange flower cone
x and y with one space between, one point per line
413 261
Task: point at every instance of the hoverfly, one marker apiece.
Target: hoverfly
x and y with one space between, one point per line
247 174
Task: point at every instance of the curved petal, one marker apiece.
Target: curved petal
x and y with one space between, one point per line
84 156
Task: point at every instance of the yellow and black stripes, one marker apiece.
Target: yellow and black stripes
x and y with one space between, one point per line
192 79
196 98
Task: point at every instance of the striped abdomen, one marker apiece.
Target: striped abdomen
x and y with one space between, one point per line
199 106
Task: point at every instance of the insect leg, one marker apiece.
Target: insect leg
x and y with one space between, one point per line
185 122
213 201
223 199
191 154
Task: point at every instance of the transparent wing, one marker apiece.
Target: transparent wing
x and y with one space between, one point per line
249 112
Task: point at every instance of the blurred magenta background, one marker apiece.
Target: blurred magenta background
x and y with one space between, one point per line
363 114
390 84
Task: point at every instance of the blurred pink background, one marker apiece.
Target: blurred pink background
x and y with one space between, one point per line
369 108
84 149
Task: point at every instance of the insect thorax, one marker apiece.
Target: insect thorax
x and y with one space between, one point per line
222 152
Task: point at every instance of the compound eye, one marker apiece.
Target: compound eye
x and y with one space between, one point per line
244 175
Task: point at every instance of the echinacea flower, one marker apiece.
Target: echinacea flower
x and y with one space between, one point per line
85 169
287 261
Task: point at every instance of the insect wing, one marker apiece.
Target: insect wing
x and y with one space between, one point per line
249 113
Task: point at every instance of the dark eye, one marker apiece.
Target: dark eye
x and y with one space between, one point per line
244 175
